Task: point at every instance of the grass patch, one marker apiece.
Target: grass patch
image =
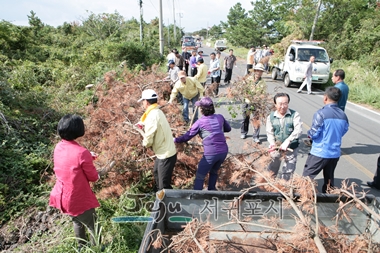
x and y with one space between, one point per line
240 52
115 237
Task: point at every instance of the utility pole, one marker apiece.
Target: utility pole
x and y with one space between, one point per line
180 15
168 33
141 21
160 30
175 31
315 20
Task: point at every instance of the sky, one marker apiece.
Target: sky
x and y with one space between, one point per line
196 14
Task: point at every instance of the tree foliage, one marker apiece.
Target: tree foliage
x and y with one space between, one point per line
350 28
43 74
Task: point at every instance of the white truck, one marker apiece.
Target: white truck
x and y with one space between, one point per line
220 45
292 68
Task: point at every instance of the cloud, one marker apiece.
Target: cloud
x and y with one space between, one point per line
197 14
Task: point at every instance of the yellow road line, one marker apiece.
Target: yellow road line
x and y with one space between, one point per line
350 159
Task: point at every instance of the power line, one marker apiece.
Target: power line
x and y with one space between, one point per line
153 5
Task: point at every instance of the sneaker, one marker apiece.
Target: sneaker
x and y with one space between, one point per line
243 136
256 140
299 91
310 93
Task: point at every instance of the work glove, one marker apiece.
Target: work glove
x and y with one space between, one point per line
140 125
271 148
284 146
94 155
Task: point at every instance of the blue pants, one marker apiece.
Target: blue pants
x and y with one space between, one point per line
208 164
185 112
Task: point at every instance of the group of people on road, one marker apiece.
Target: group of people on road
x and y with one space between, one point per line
255 56
74 168
330 124
195 63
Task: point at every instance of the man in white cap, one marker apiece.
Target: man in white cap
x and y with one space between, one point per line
158 135
191 90
260 87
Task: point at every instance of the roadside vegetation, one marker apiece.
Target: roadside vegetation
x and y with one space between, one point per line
43 74
44 71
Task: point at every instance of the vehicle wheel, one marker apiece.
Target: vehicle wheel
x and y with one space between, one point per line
287 81
274 73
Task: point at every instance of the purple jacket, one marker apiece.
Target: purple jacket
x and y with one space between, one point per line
211 129
193 61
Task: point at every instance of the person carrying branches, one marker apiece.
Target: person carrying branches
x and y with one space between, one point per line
249 107
284 127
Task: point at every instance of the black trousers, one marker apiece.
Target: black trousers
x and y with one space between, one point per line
245 123
315 164
187 69
249 66
194 71
162 171
216 80
376 178
83 221
228 75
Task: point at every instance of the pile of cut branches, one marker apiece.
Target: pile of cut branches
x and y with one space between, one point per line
111 133
308 234
246 90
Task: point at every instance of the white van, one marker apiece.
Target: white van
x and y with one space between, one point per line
293 68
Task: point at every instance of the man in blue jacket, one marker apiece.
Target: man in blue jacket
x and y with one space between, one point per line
329 125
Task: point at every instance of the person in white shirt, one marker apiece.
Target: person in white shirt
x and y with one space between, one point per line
308 76
250 58
214 73
173 72
171 56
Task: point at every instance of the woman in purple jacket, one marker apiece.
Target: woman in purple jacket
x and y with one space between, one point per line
211 128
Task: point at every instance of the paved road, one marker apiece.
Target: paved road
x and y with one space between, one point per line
361 144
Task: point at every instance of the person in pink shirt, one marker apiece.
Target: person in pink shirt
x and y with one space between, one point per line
74 170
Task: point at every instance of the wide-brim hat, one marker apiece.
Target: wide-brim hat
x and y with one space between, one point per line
259 66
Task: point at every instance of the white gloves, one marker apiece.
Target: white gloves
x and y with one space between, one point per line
285 145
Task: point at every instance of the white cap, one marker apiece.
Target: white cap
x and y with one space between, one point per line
148 94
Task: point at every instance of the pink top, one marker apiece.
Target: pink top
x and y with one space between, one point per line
74 170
